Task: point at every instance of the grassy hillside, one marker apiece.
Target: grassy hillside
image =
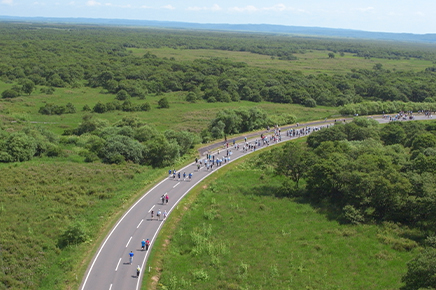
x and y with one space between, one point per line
234 233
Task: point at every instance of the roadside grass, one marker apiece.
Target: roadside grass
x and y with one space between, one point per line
181 115
39 199
311 62
233 232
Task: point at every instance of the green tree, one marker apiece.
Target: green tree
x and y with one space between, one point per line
100 108
122 95
121 148
293 161
20 146
163 103
421 271
160 152
27 86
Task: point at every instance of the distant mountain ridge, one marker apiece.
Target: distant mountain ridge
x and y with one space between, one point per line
264 28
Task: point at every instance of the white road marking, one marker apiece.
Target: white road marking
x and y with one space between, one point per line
151 208
110 287
140 223
176 184
116 269
129 241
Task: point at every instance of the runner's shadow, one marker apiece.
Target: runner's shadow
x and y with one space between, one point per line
126 263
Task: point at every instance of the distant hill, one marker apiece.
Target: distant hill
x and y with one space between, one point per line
264 28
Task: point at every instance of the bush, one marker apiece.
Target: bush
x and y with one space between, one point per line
76 233
421 271
10 94
353 215
311 103
163 103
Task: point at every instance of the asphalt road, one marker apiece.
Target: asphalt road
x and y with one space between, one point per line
110 267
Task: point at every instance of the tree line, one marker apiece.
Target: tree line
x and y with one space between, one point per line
50 58
368 173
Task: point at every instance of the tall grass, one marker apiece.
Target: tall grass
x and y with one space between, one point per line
40 199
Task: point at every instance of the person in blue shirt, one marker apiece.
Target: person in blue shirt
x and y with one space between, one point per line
190 176
143 244
131 257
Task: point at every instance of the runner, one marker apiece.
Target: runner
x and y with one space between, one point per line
147 244
167 198
138 270
165 215
184 176
152 214
190 176
163 198
158 215
131 257
143 245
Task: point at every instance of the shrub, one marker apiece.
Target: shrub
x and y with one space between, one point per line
76 233
10 94
163 103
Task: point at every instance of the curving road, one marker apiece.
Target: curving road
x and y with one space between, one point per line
110 267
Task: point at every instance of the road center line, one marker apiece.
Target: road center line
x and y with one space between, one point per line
140 223
151 208
116 269
176 184
110 287
129 241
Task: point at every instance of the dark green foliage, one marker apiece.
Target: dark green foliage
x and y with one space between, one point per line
99 108
20 147
191 97
163 103
119 148
309 102
421 271
76 233
27 86
335 133
10 94
238 120
51 109
160 152
122 95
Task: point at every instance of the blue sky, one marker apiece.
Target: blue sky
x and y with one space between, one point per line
410 16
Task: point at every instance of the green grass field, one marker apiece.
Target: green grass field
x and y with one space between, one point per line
313 62
232 232
181 115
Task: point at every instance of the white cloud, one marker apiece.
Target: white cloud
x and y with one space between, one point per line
215 7
275 8
9 2
145 7
249 8
93 3
169 7
365 9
